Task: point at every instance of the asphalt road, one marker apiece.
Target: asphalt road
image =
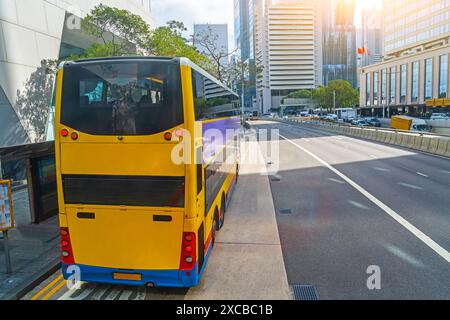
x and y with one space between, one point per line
345 204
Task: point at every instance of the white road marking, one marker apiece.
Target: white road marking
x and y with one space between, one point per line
411 186
113 294
358 205
422 174
381 169
85 291
336 180
408 226
126 294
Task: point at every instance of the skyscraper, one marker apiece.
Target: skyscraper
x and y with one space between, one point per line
413 77
288 48
410 24
372 37
339 41
245 42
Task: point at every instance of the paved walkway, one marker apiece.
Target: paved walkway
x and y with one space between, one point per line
33 249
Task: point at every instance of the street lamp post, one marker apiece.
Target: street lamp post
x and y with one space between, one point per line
334 101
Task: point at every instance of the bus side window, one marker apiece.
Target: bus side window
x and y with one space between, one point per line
199 170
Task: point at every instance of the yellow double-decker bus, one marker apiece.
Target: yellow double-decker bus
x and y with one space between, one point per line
130 211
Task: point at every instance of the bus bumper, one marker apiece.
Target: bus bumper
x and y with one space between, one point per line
157 278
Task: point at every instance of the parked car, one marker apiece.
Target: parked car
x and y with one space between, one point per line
355 121
349 119
374 122
439 116
329 117
361 123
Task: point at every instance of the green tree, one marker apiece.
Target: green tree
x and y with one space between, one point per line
300 94
346 95
168 41
33 100
120 31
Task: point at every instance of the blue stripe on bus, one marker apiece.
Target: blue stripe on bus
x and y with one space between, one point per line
160 278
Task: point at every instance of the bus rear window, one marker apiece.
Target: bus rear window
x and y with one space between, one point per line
122 98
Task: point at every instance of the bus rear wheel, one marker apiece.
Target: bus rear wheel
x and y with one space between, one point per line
217 220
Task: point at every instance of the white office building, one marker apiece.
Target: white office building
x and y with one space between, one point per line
288 48
36 30
414 76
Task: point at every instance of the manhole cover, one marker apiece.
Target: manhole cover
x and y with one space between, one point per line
285 211
304 292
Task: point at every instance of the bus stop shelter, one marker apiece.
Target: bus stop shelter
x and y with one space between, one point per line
36 162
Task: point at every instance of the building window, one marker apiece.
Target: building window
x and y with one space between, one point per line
428 78
383 86
443 76
368 86
415 82
375 88
392 86
403 83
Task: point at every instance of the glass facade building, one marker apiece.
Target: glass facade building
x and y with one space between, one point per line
392 86
339 43
428 78
244 34
443 76
415 82
403 83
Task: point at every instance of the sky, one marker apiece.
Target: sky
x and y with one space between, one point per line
216 11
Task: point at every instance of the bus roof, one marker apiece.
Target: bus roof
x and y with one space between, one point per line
179 60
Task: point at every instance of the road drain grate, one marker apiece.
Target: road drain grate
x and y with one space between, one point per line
285 211
275 179
304 292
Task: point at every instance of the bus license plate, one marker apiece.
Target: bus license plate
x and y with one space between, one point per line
127 276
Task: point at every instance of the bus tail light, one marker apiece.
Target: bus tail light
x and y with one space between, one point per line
66 247
188 252
64 133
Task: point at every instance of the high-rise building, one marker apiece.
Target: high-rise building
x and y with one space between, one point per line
339 41
216 35
411 24
372 37
289 49
36 30
245 42
414 76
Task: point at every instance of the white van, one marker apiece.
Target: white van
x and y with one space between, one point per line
420 125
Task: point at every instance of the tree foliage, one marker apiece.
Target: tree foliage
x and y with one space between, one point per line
168 41
219 56
300 94
346 95
33 101
120 31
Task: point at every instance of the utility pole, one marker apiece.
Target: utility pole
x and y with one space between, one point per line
334 101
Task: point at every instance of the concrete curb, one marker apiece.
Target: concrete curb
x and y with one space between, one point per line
34 280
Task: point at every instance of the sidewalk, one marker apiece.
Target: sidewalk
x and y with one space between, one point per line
34 250
247 262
